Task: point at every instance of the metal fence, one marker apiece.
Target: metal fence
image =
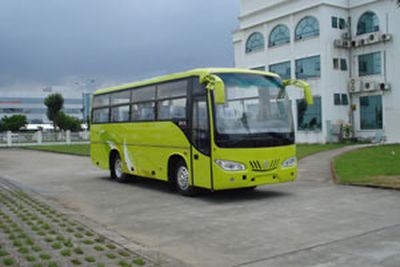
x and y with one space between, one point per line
10 139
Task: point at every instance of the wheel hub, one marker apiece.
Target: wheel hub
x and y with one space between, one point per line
183 178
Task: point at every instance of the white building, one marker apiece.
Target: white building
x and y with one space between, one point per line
30 102
348 50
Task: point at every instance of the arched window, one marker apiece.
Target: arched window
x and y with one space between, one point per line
368 22
279 35
307 27
255 42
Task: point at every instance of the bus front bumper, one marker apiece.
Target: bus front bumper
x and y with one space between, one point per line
261 166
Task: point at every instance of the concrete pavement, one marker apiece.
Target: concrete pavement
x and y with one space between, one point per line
311 222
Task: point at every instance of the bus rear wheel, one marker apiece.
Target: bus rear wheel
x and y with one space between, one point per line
116 170
182 179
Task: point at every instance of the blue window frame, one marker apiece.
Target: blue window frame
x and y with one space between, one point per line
370 64
371 112
307 27
255 42
309 67
283 69
309 116
368 22
279 35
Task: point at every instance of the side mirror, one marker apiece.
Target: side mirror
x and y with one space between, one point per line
215 84
302 85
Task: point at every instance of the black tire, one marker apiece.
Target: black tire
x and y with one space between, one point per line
181 179
116 171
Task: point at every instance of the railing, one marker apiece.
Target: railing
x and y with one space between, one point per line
9 139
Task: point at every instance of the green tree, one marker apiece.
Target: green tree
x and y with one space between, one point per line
54 103
13 123
66 122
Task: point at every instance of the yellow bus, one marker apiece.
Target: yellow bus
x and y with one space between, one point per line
218 128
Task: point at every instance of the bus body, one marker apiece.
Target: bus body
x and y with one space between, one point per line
208 128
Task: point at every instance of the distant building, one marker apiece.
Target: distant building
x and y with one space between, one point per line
348 50
30 102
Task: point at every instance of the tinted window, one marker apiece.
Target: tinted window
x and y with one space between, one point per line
309 67
336 99
335 63
255 42
120 97
334 22
345 99
119 114
172 89
343 64
172 109
342 24
143 112
198 89
371 112
283 69
369 64
307 27
101 100
101 115
200 125
279 35
368 22
309 116
144 94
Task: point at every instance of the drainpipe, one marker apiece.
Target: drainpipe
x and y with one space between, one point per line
351 111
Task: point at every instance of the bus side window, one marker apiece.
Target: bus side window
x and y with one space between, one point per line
172 109
198 89
200 125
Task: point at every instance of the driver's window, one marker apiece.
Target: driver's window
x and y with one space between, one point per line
200 125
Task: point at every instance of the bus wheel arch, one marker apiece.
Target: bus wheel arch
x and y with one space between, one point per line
178 165
115 165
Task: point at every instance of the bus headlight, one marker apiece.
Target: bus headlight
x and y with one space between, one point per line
290 162
228 165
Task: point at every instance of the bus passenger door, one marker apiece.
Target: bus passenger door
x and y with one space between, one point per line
200 135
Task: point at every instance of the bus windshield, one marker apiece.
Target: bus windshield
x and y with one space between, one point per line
256 112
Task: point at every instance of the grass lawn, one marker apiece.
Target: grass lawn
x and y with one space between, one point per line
83 150
302 150
379 165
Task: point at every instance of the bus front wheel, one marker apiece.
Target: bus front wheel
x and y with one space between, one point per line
116 169
182 179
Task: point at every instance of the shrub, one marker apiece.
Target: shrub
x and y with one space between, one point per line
13 123
66 122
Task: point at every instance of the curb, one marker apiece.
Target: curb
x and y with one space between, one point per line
336 178
334 175
52 151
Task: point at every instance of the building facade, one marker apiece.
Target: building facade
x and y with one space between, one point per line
346 50
31 103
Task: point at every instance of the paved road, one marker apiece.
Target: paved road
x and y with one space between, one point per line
311 222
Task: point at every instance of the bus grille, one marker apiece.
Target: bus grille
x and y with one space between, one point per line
267 165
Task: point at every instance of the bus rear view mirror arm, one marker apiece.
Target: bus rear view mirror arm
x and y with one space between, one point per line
302 85
214 83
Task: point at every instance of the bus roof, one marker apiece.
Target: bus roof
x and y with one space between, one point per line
180 75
